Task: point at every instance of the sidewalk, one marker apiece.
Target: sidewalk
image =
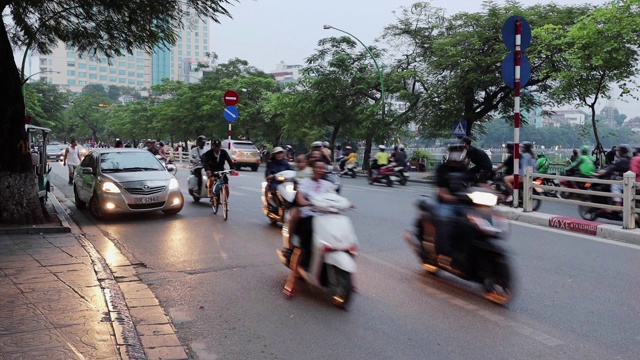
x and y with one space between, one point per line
59 298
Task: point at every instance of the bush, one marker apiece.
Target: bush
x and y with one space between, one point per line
420 155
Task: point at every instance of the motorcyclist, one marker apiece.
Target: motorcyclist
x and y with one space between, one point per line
317 146
451 177
507 164
276 164
196 159
481 161
584 163
616 170
152 148
326 150
214 160
382 159
542 165
635 165
527 158
291 154
400 157
610 156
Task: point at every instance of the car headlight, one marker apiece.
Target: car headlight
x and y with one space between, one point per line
110 187
173 184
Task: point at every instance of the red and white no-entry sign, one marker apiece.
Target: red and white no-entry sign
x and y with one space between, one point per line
231 98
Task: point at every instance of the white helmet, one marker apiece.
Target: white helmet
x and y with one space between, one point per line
316 144
382 147
401 148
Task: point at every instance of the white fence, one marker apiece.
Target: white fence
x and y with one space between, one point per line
629 195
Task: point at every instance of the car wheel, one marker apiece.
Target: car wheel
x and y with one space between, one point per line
238 167
254 168
94 206
79 203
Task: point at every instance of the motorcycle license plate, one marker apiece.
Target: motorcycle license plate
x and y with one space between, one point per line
395 178
146 200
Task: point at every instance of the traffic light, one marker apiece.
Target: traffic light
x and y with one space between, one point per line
103 105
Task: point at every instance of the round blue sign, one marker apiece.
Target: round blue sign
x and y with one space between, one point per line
509 33
230 113
509 70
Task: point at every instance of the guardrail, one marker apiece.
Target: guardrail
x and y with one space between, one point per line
629 195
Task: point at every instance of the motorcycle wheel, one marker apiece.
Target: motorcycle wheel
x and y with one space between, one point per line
193 195
403 181
500 288
371 181
341 287
353 174
389 182
536 202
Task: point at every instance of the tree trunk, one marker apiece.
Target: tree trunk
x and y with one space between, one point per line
367 150
334 135
599 150
18 194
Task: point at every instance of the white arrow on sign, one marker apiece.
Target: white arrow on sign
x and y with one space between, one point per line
230 113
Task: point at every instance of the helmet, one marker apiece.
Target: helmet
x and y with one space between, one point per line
382 147
466 140
277 149
509 145
201 138
540 154
395 147
585 149
316 144
288 147
347 147
624 148
215 143
456 151
325 144
526 146
401 147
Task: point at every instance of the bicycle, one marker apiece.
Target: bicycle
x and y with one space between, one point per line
224 193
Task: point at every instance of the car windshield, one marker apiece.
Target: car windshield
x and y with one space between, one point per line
245 146
52 148
61 147
129 161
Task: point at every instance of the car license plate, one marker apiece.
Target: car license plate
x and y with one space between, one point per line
146 200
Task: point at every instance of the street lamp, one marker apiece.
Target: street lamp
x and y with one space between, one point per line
327 27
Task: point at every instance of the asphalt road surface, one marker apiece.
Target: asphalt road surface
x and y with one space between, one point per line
221 283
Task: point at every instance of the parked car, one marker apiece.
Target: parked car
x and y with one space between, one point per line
243 154
124 180
55 153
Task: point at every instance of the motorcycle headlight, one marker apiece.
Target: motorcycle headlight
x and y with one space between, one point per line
483 198
110 187
173 184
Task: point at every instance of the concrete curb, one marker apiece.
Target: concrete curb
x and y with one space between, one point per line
606 231
141 327
35 229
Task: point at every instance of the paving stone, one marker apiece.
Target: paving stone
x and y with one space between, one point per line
92 342
69 268
37 269
21 264
152 341
47 287
21 256
148 315
62 241
62 259
47 338
149 330
142 302
87 318
64 352
166 353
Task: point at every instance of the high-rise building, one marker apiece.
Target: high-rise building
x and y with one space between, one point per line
71 70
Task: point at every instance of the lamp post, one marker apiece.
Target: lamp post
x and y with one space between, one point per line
327 27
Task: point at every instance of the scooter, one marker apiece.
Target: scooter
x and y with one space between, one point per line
349 169
333 250
399 172
275 208
192 183
476 253
499 186
384 175
592 213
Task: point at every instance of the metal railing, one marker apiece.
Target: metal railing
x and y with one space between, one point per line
629 196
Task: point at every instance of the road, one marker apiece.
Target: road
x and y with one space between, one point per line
221 283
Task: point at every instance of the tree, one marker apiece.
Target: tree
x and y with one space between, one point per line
457 60
601 49
51 102
93 27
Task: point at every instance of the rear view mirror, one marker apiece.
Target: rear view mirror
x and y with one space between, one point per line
170 167
87 171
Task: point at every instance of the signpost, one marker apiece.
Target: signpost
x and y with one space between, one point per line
230 112
460 128
516 71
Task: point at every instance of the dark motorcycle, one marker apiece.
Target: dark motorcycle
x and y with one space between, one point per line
476 254
548 182
592 213
498 185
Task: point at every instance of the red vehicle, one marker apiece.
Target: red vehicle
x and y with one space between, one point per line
384 175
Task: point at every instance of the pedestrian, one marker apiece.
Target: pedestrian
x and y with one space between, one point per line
119 144
71 158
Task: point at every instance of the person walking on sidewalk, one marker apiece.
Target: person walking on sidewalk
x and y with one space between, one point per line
71 158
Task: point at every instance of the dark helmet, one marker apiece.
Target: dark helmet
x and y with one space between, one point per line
201 139
395 147
624 149
637 150
466 140
509 145
456 151
215 143
526 146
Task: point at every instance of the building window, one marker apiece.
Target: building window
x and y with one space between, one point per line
103 60
93 76
197 53
140 83
140 67
122 72
197 47
71 82
179 52
103 77
82 74
204 28
204 47
103 69
188 47
132 82
131 66
71 63
139 53
140 76
82 82
180 46
71 54
188 33
113 79
188 52
122 63
92 67
197 35
131 73
82 66
140 60
71 73
122 80
50 62
112 70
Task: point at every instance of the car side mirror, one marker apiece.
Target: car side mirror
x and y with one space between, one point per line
87 171
170 167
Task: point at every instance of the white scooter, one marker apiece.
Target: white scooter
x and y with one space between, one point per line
276 209
333 249
192 183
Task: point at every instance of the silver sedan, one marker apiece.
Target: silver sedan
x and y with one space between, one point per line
123 180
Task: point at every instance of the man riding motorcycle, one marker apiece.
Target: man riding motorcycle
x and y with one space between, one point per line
276 164
351 157
542 165
583 164
317 146
214 160
399 156
481 161
382 159
616 171
196 159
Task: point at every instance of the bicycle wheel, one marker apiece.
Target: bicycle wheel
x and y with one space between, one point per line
225 203
215 203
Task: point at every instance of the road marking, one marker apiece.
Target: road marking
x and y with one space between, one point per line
522 329
583 236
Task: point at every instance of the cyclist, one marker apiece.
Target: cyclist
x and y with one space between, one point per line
213 161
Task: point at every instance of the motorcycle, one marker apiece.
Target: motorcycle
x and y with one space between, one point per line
168 164
498 185
192 184
333 175
399 172
349 169
570 184
276 208
333 249
384 175
477 254
547 182
592 213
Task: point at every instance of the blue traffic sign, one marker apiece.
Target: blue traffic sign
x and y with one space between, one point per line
460 128
509 33
509 70
231 113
